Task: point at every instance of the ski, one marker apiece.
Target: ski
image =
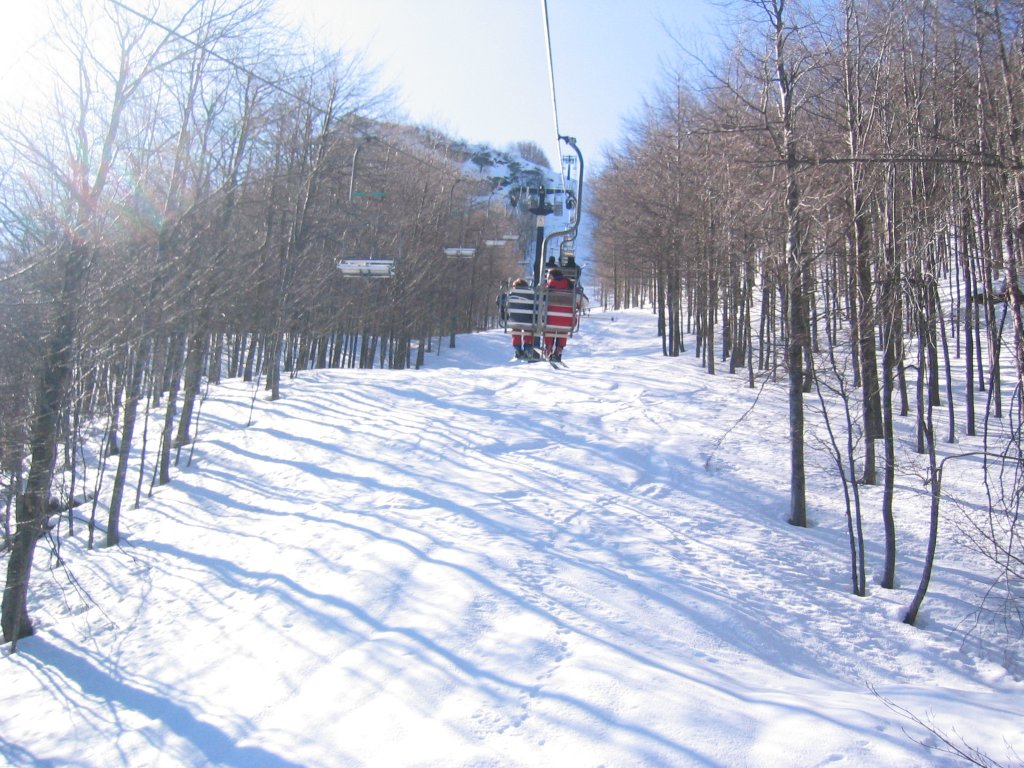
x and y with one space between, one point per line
537 357
555 363
531 359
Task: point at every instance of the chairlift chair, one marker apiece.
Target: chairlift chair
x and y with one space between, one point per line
542 311
377 268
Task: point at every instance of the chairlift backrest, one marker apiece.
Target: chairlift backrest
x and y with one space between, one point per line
543 311
522 308
559 305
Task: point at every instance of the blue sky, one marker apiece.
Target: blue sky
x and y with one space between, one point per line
478 68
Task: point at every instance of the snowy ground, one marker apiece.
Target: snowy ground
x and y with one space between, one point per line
496 564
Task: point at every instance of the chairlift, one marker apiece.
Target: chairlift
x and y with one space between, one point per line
543 312
378 268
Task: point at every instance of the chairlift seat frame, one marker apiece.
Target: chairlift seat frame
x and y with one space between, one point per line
551 312
376 268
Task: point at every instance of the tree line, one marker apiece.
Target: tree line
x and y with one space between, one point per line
173 212
838 199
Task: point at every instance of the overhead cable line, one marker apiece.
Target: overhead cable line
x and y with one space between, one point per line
260 78
551 79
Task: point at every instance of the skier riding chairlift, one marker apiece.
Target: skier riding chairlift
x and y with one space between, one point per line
549 313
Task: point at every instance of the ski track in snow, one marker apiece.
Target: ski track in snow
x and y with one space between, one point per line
493 564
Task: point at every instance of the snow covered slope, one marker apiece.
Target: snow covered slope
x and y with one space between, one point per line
495 564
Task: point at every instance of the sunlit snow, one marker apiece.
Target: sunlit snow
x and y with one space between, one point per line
486 563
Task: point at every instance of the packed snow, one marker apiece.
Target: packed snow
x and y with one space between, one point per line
487 563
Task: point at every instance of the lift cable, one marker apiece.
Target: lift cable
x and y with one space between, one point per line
551 79
260 78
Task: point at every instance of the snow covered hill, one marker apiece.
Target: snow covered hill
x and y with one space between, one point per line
496 564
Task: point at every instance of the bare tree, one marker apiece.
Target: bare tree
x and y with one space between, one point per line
91 132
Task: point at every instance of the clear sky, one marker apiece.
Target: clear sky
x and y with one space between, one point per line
478 69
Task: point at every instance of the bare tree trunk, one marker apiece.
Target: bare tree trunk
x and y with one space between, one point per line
797 338
193 377
890 362
133 393
935 487
174 360
33 504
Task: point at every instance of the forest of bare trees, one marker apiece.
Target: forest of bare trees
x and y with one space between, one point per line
838 202
174 213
